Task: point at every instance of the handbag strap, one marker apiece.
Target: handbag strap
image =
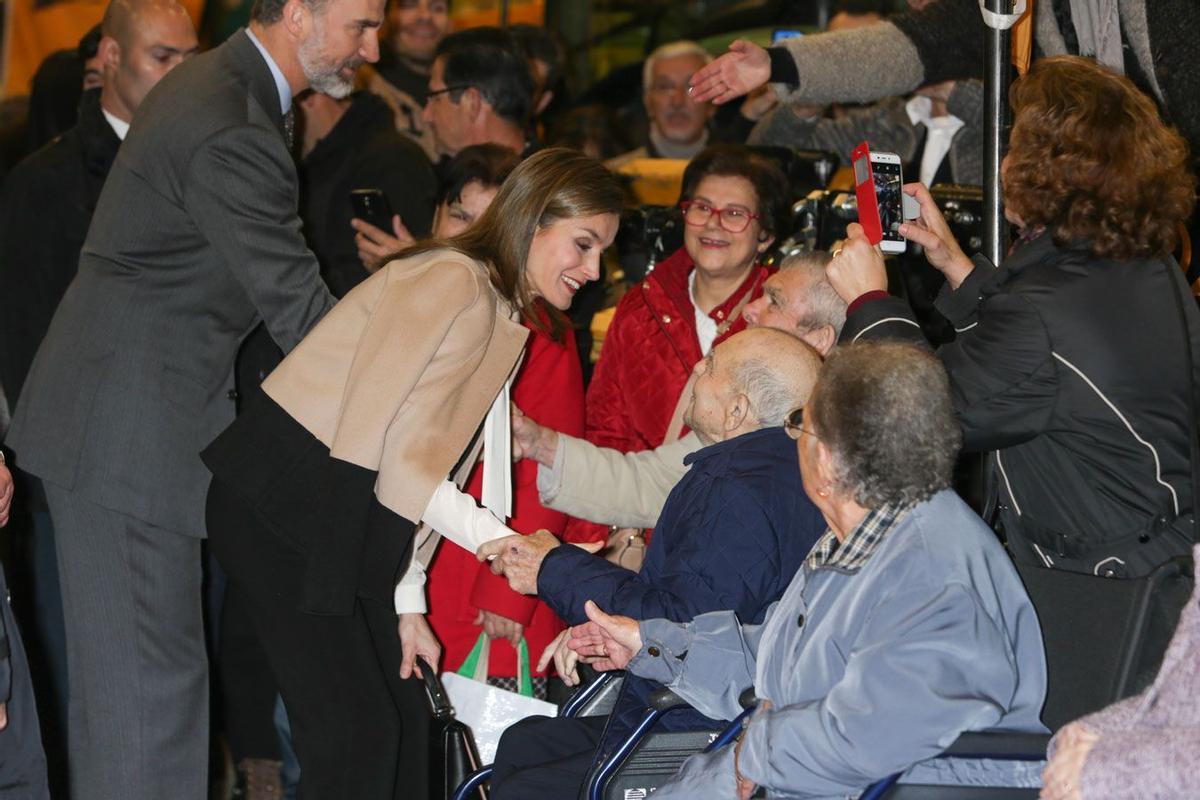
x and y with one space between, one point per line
524 676
1193 440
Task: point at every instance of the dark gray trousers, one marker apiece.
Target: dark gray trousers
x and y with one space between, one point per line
137 668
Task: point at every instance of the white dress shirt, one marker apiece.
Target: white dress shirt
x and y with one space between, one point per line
939 135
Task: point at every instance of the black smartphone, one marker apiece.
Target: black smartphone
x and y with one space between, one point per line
371 205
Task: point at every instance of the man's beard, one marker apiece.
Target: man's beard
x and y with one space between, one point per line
322 76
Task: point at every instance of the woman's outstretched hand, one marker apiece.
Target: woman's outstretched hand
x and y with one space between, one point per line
604 641
932 233
742 70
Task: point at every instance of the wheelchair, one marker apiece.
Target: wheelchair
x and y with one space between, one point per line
1104 641
646 759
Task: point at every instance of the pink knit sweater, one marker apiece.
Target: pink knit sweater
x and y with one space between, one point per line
1149 745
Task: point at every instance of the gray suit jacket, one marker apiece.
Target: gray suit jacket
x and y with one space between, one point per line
194 240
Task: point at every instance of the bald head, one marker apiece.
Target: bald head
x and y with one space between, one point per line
141 41
751 381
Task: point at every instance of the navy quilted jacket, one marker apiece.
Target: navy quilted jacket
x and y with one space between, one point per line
733 532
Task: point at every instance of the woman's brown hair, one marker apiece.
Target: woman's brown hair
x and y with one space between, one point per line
1091 160
551 185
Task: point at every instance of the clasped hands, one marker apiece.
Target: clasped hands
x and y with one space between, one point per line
519 558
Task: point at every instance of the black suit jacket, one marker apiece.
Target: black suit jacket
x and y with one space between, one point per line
46 207
194 240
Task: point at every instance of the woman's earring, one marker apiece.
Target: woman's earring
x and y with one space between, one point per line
823 491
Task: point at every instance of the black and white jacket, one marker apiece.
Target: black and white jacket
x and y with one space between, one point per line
1074 373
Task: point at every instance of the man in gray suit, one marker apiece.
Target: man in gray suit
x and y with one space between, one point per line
194 240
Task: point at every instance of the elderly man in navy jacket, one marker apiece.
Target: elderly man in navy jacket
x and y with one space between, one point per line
732 533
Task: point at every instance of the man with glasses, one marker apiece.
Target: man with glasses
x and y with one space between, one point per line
731 535
480 92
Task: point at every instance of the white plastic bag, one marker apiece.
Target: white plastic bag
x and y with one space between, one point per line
489 710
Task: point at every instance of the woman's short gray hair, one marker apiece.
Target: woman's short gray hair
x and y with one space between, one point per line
883 409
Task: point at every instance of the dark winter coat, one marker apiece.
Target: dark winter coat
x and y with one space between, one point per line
733 532
45 211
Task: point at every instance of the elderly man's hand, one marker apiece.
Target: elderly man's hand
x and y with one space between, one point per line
6 494
606 642
857 266
1060 779
743 69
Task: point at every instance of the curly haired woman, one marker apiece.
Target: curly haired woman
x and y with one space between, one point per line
1072 361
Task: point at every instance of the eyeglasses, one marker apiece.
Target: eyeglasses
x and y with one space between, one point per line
733 220
430 95
793 424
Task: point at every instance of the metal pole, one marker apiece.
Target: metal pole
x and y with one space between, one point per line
996 123
503 13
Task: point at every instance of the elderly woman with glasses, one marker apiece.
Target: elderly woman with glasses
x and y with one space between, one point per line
733 202
906 626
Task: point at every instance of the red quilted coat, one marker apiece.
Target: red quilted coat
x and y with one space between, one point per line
647 358
648 355
549 388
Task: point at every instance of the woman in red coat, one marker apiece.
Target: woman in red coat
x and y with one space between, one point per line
734 203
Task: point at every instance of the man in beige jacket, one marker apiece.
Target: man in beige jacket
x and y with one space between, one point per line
627 490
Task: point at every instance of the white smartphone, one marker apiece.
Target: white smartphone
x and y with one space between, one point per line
885 168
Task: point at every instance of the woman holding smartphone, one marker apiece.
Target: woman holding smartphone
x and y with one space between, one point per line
322 493
1074 360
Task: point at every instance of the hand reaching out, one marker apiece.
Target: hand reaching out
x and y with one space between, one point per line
531 440
741 70
565 659
604 641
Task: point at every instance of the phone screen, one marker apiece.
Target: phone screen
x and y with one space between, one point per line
780 34
887 195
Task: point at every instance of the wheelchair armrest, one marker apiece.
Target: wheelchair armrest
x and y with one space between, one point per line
748 699
1001 745
664 700
584 695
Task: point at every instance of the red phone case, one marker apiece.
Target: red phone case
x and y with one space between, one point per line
864 189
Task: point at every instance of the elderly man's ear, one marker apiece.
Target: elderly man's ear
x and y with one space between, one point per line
737 415
822 339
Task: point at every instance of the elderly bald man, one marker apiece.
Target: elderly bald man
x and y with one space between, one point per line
628 490
733 531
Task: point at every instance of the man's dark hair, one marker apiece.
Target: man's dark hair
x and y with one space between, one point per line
268 12
490 61
542 45
770 185
486 164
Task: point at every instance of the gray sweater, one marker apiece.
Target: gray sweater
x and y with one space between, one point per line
944 41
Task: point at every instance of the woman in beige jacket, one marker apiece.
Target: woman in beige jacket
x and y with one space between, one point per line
328 493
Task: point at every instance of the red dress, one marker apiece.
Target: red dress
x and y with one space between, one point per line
549 388
647 358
